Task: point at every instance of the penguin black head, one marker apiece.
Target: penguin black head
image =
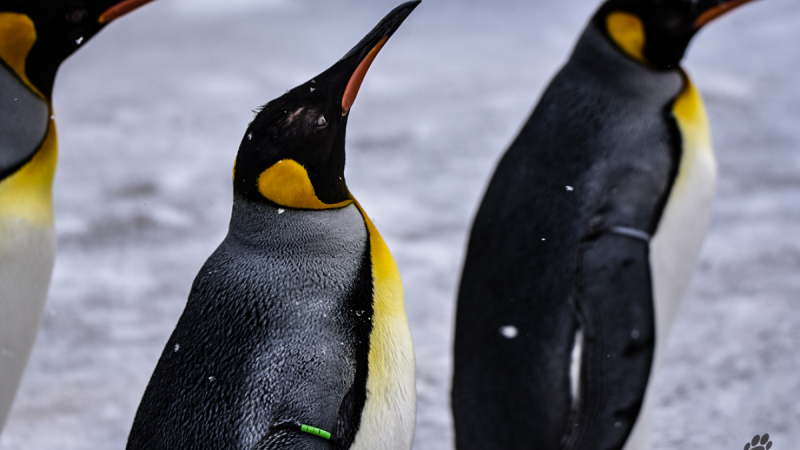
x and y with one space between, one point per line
292 154
657 32
36 36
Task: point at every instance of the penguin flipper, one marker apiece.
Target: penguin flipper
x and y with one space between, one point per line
614 302
284 438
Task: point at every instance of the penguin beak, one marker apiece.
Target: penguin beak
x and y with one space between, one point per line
361 56
715 8
120 9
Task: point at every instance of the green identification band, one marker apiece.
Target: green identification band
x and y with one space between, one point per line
315 431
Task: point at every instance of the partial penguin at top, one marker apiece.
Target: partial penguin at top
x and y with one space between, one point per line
294 335
36 36
586 239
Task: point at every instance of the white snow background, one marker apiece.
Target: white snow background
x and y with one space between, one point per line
151 113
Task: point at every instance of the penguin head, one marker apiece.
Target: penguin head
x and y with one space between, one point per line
36 36
293 153
657 32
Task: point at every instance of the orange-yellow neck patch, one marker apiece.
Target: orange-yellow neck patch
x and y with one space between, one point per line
689 107
391 350
17 36
627 31
28 193
287 184
697 159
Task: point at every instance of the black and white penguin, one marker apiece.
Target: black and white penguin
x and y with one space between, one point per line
586 239
295 333
36 36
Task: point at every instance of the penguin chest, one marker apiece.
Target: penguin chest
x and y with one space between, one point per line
379 365
309 284
676 245
389 415
27 246
27 240
299 317
26 262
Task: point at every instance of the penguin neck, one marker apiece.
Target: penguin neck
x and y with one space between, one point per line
266 227
596 54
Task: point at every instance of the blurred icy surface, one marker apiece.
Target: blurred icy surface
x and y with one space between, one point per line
151 113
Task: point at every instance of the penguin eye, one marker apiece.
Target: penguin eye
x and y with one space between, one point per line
322 122
77 15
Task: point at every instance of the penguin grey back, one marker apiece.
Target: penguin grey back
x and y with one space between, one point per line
276 331
599 153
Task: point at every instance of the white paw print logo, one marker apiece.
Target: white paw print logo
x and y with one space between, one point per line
762 440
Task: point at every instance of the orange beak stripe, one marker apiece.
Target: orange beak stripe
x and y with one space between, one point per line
717 11
120 9
357 78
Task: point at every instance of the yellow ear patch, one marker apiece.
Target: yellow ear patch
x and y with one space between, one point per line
627 31
17 36
287 184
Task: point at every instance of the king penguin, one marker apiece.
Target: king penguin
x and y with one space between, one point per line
35 37
586 239
295 334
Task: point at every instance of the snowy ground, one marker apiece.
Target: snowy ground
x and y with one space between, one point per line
151 112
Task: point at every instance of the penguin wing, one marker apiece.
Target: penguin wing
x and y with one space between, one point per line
613 299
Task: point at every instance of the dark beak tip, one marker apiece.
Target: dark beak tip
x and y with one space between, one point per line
392 21
383 30
360 57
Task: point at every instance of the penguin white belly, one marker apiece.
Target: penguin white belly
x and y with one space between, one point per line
27 252
26 262
389 416
675 248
